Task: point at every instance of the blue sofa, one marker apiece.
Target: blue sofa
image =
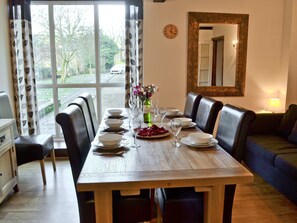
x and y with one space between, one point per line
271 150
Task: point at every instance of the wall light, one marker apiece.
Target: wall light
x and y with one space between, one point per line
235 43
274 105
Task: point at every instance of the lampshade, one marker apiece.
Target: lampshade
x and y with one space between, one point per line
274 104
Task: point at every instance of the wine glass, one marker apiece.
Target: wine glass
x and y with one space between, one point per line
133 112
135 126
162 113
132 102
154 108
175 128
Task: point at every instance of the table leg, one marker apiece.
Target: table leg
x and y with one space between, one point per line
103 206
214 204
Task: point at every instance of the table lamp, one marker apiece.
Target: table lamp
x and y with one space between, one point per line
274 105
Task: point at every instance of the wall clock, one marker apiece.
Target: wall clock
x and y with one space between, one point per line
170 31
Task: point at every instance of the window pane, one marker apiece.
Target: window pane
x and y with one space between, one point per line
112 45
41 44
67 95
75 49
46 110
112 97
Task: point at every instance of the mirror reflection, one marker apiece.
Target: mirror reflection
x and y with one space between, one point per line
217 49
217 54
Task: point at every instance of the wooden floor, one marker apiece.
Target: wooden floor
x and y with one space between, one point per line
56 202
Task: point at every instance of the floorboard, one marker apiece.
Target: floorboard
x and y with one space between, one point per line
56 202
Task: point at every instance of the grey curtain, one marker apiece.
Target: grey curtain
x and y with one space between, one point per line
23 73
134 46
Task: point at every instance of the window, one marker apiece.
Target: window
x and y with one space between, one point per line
75 48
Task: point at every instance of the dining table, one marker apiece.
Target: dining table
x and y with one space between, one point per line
158 164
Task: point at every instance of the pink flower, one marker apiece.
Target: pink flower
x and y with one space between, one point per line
144 92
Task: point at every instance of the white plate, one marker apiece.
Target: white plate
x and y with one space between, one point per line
98 144
154 136
191 125
188 142
179 114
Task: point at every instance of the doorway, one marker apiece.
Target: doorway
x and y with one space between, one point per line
218 61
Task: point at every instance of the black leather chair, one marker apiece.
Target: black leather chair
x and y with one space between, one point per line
191 105
207 114
90 103
126 209
184 205
29 148
82 104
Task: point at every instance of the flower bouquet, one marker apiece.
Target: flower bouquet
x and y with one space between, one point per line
144 92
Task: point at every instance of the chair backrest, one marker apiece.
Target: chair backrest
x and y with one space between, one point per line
231 134
82 104
6 111
76 137
191 105
207 114
233 128
90 103
78 145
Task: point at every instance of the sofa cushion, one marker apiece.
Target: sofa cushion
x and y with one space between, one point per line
287 163
269 146
288 121
292 138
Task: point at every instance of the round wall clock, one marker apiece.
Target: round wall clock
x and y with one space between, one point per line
170 31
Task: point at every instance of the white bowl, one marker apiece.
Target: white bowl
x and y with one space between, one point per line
172 111
115 111
185 121
110 139
200 137
114 123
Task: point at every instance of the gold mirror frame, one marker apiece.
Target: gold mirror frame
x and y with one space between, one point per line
194 19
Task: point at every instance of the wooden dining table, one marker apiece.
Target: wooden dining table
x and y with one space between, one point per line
158 164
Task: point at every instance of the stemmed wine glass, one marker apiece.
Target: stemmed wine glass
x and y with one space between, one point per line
132 102
162 113
135 126
133 112
175 128
154 108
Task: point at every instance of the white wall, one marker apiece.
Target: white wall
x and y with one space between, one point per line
165 61
5 66
291 7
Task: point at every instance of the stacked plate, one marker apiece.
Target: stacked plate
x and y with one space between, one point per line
109 144
199 140
115 113
173 112
186 123
114 124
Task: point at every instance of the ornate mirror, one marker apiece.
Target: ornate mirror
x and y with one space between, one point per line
217 49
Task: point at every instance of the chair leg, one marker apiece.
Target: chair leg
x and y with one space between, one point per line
53 159
43 171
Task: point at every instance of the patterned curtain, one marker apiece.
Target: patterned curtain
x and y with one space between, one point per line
23 73
134 46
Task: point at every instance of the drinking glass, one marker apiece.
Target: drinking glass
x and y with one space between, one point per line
175 128
133 112
154 108
132 102
135 126
162 113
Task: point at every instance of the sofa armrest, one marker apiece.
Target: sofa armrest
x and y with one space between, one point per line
265 123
